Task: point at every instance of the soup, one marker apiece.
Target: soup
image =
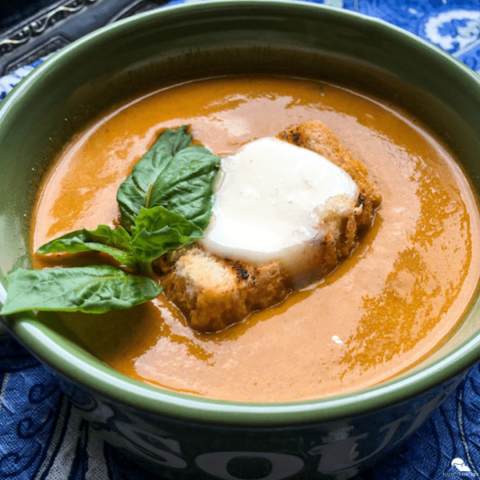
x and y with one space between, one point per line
391 303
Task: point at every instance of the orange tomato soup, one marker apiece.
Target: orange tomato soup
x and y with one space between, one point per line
385 308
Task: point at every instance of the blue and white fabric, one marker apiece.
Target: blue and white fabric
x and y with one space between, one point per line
43 436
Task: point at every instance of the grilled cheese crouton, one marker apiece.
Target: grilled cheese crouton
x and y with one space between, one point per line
214 293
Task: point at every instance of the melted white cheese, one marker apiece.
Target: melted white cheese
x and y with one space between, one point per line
271 200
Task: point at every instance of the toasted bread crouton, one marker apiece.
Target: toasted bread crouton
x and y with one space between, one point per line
214 293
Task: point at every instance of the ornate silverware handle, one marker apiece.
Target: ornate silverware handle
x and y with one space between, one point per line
60 24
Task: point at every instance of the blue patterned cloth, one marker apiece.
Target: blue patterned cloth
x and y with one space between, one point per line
43 436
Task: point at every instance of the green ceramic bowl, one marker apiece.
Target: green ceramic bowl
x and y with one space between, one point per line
180 434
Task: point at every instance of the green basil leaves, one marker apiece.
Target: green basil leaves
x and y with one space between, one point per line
93 289
173 174
165 204
157 231
115 243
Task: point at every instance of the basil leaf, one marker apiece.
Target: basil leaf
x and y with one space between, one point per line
157 231
133 192
174 175
94 289
104 239
130 199
155 160
185 185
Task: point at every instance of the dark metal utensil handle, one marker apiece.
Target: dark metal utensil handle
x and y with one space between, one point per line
58 25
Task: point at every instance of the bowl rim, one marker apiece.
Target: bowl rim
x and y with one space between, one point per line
80 368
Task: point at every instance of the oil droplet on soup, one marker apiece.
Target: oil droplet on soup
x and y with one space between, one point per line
385 308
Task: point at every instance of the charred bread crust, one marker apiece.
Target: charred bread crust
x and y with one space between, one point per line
214 293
